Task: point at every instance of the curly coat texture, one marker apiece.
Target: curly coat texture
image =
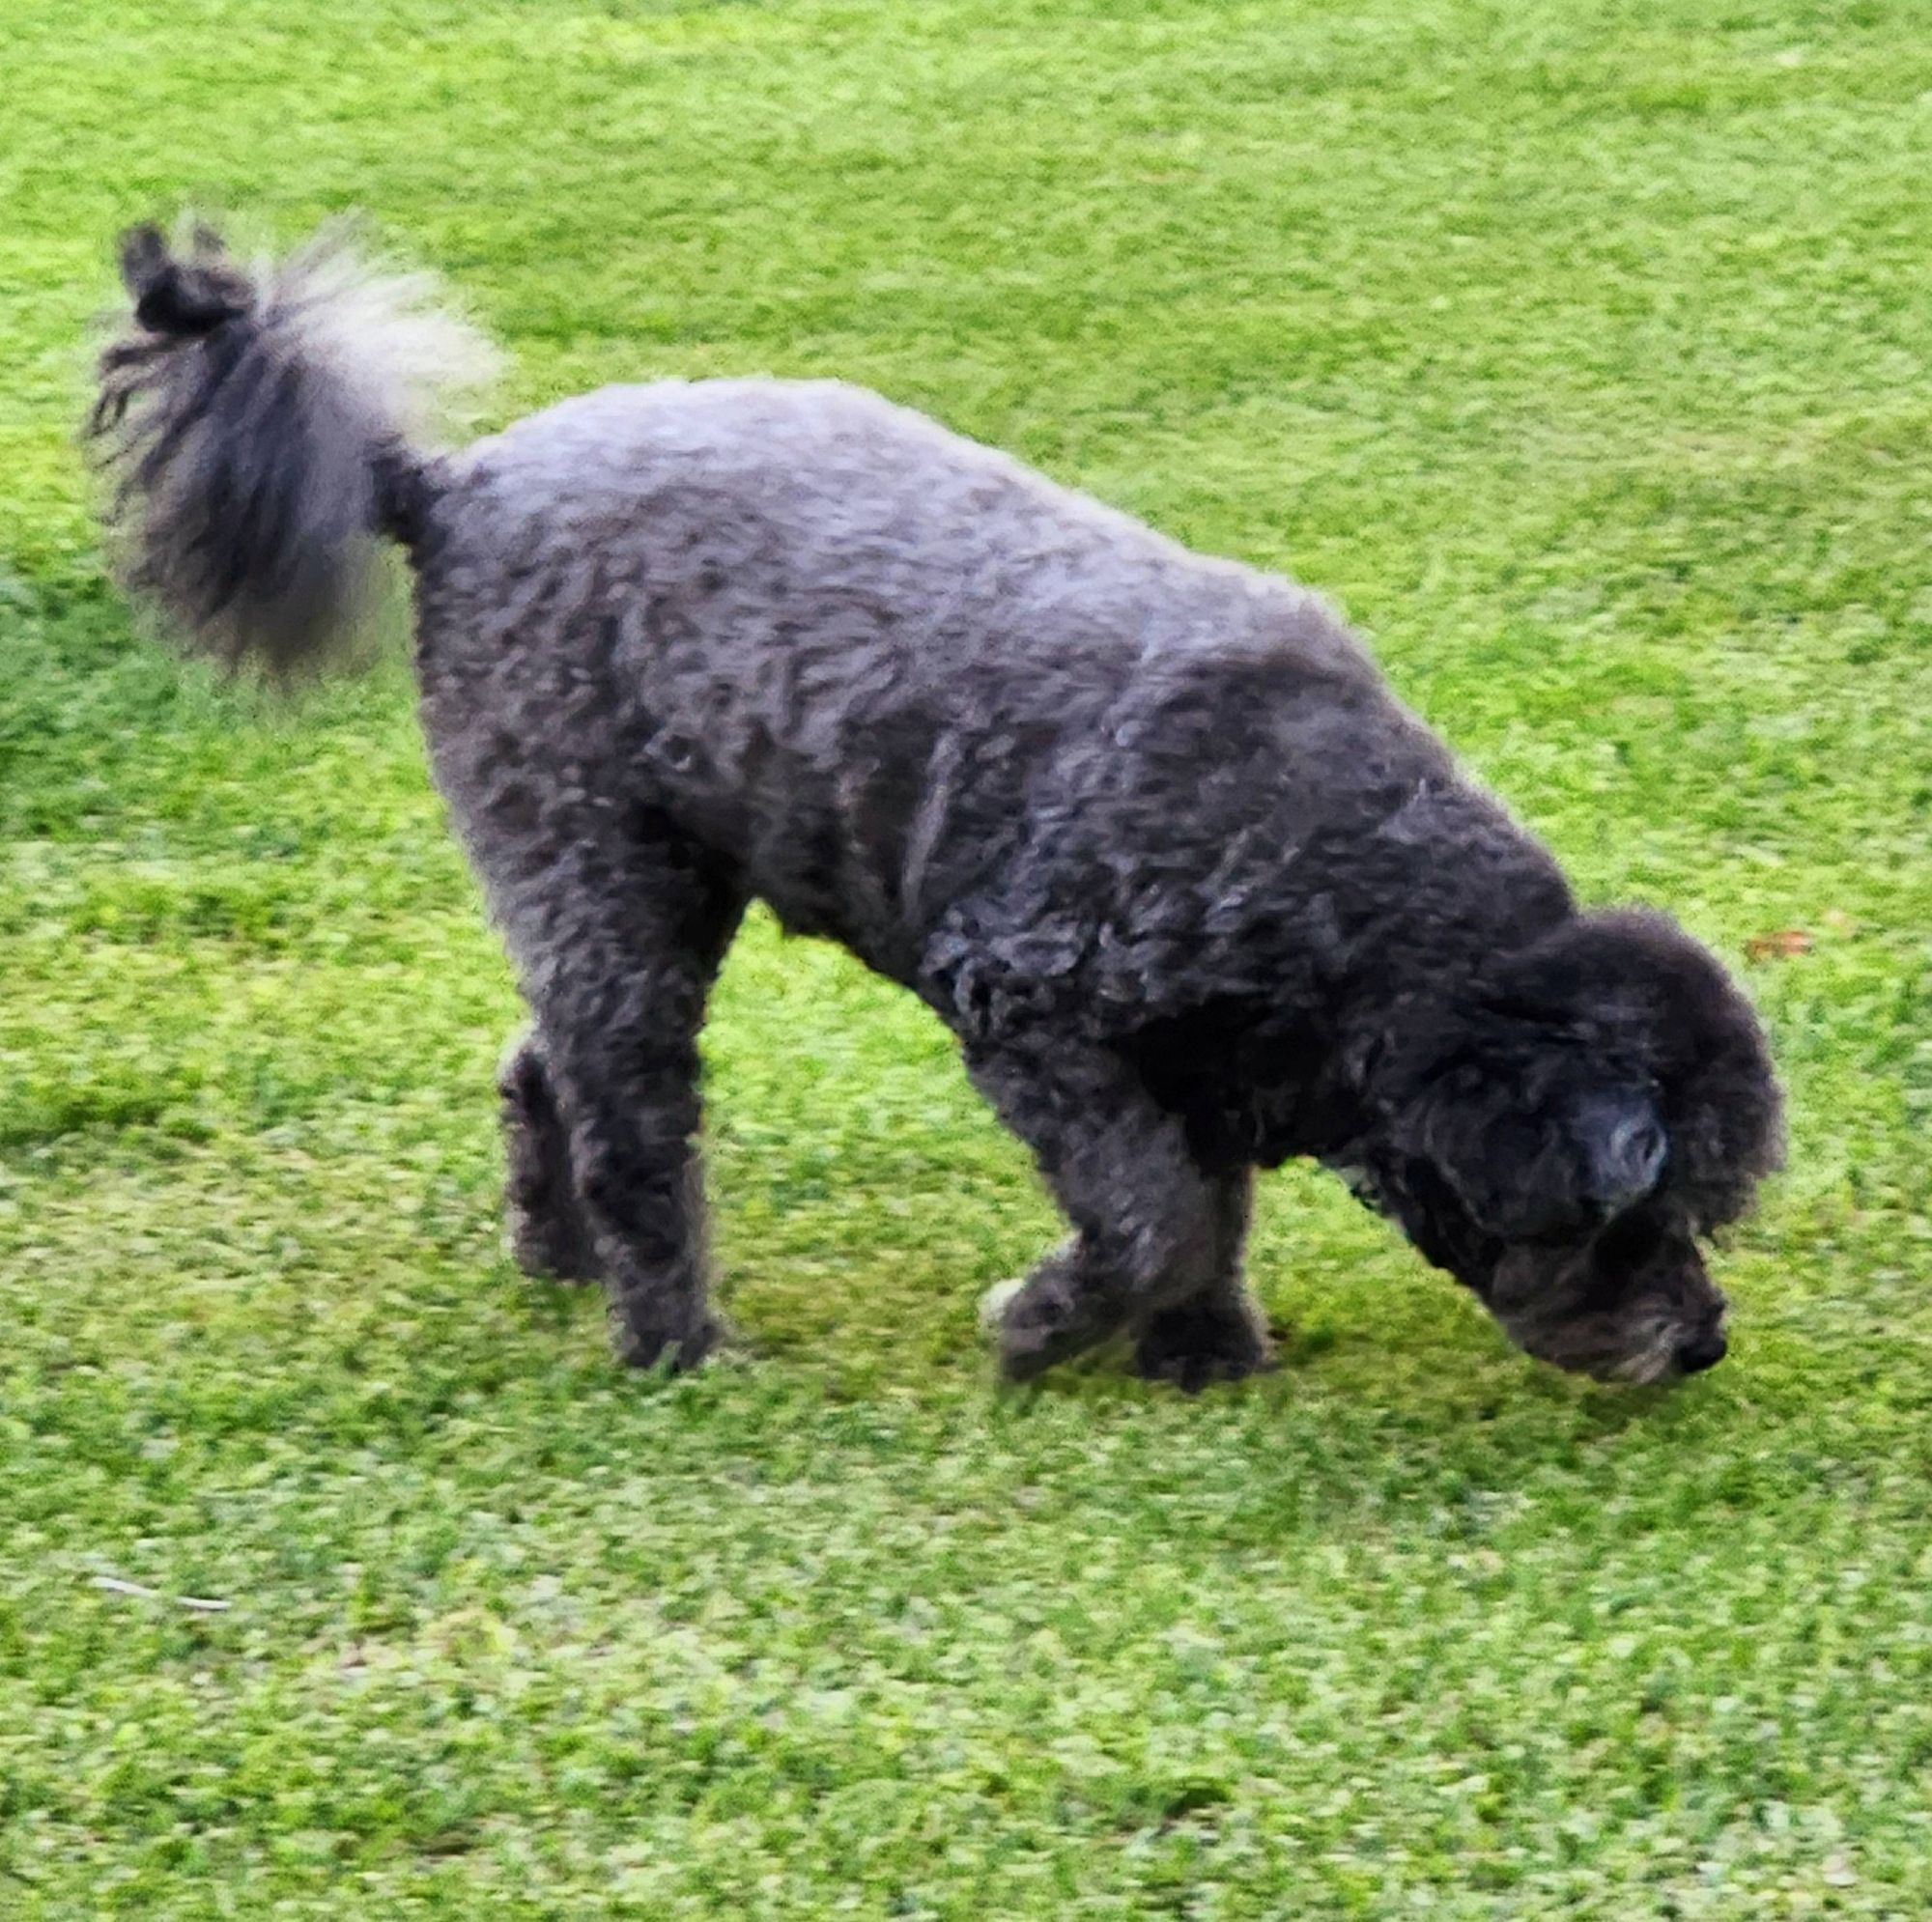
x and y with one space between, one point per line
1145 830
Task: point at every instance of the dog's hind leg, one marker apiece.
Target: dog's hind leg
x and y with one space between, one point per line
550 1233
1218 1334
619 978
1153 1230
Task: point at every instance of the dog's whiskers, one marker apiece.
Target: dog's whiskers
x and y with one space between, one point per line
1649 1364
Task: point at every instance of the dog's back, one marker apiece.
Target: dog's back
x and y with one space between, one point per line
863 657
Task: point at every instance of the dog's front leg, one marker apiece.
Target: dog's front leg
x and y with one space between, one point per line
1154 1233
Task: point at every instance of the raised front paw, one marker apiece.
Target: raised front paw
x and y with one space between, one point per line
1043 1319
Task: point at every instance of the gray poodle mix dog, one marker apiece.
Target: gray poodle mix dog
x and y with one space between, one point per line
1147 831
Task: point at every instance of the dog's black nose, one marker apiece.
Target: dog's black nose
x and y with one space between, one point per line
1702 1351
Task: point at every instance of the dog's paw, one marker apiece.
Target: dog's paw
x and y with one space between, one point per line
548 1250
1192 1351
993 1306
675 1352
1037 1323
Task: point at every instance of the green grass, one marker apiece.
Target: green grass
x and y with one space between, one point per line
1581 350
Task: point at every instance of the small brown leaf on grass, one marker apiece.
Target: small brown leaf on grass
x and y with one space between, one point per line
1779 946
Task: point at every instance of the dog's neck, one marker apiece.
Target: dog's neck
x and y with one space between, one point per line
1264 1084
1369 1063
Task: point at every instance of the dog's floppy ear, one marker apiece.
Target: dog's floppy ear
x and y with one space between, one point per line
1528 1169
1652 1012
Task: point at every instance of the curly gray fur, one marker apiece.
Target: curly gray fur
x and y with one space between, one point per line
1146 830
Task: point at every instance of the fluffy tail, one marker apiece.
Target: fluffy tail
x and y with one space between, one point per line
260 430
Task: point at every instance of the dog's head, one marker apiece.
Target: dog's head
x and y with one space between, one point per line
1562 1141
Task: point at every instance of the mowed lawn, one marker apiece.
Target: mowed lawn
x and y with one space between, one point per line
1583 351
